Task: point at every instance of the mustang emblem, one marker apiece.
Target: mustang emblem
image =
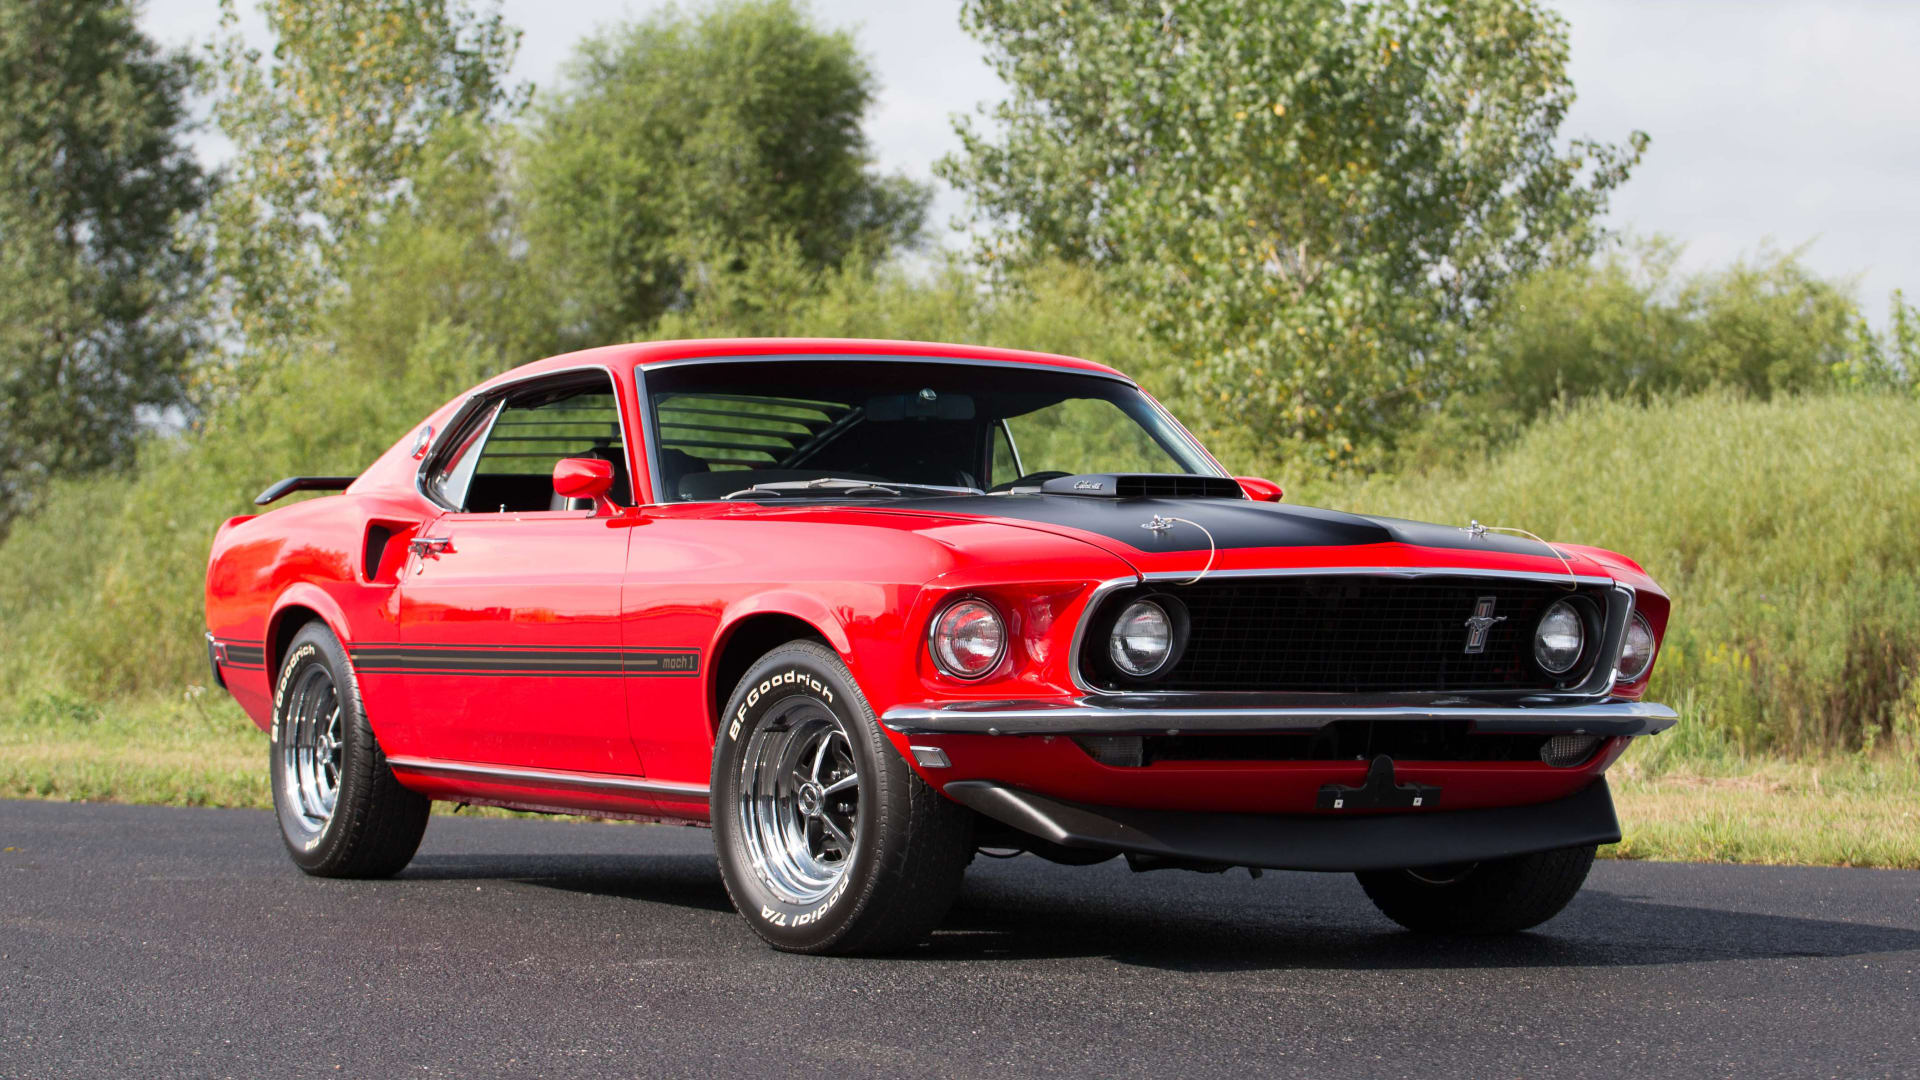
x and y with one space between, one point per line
1480 623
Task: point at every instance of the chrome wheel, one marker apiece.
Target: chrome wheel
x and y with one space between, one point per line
799 801
310 746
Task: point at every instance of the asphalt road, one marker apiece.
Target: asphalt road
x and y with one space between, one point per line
147 942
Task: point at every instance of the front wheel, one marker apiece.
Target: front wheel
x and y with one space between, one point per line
342 813
828 842
1500 896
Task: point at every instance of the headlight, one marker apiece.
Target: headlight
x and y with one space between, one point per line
1559 638
1142 638
1636 656
968 639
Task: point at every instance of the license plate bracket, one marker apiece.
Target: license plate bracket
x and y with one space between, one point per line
1379 792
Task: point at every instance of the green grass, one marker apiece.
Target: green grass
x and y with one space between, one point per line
1836 811
193 749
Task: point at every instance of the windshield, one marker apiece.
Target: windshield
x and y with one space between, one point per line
725 427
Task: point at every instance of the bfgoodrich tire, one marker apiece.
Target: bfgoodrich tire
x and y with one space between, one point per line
342 813
1501 896
828 842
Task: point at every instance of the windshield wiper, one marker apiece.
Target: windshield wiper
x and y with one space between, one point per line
833 485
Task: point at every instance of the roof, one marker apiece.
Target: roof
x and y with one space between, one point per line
649 353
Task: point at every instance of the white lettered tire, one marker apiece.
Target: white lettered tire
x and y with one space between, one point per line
341 812
827 840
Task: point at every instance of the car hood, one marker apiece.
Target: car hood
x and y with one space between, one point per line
1171 534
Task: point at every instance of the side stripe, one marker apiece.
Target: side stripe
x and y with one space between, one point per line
243 655
506 660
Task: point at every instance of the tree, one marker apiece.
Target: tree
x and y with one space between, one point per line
326 131
1310 200
681 143
94 291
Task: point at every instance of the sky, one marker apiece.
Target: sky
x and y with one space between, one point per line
1774 122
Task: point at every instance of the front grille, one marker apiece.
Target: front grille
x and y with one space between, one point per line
1350 634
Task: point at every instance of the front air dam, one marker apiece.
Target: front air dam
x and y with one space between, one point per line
1332 842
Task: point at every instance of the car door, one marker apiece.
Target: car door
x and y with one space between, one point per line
509 607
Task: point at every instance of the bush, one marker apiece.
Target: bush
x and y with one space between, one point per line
100 592
1629 327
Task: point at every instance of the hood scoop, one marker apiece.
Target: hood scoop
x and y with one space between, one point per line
1143 486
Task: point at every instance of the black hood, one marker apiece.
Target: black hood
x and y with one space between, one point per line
1234 523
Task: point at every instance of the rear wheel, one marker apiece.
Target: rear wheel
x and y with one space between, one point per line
342 813
1499 896
828 842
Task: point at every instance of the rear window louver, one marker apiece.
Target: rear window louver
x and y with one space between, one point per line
741 431
530 440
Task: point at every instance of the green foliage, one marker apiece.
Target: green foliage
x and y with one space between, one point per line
326 131
1308 200
681 141
1783 530
93 291
454 254
121 613
1888 360
1628 327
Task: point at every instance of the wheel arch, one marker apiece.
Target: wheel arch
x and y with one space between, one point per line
296 607
747 638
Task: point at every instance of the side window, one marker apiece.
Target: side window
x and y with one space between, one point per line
1081 435
452 470
504 463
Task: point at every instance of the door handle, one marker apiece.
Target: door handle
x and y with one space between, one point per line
430 545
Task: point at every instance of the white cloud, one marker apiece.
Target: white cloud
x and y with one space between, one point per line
1792 122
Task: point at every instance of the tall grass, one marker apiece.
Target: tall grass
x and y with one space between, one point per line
1784 530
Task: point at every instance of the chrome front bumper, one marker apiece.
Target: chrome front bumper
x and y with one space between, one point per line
1170 716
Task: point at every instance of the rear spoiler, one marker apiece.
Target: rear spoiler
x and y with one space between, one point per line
302 483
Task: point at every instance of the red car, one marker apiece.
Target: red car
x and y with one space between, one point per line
867 607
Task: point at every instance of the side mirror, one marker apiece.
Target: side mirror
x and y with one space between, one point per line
1260 490
585 478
